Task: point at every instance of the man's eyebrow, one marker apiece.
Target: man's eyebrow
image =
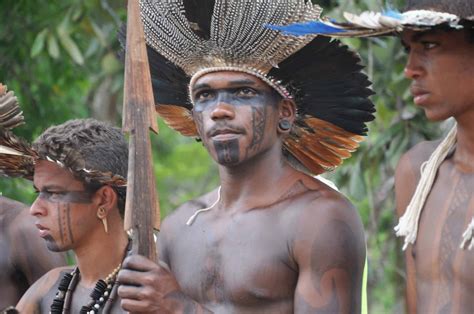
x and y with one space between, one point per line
418 36
200 86
52 187
241 82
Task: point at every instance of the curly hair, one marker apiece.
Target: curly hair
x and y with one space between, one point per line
87 144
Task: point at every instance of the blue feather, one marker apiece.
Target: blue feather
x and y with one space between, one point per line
393 14
308 28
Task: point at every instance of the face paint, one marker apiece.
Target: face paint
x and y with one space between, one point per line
81 197
258 127
227 151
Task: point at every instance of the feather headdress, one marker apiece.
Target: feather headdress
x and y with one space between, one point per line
189 38
389 22
18 157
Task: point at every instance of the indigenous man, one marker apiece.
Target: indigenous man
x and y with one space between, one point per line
77 169
270 110
24 257
434 180
440 278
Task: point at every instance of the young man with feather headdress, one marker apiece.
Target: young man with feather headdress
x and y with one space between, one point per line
271 111
434 180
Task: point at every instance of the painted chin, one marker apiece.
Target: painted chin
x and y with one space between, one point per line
51 244
227 152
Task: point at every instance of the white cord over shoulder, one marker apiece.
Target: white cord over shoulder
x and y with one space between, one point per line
194 216
408 223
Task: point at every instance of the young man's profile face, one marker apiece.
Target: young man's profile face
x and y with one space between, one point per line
441 66
64 213
236 115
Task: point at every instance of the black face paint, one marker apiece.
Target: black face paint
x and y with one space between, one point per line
208 99
51 244
258 127
81 197
228 152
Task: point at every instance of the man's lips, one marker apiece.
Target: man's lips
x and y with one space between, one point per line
43 231
224 134
420 95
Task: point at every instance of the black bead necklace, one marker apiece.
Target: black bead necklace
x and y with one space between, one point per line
99 296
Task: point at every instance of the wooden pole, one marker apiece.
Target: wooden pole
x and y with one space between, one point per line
139 117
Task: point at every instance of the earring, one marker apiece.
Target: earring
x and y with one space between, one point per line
101 214
284 125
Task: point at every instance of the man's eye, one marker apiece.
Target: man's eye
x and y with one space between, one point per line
246 92
428 45
204 95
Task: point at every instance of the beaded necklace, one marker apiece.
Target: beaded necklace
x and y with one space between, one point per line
102 295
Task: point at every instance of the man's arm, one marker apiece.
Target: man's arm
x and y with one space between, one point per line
146 287
330 252
405 185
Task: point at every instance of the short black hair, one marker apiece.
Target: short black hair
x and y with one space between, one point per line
89 144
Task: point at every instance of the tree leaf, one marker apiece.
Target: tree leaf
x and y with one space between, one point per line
53 47
38 43
70 46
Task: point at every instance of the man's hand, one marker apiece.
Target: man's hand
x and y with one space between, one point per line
146 287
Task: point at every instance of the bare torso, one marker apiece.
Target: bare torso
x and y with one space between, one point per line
444 278
246 262
42 296
24 257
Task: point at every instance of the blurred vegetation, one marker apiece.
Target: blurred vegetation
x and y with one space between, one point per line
61 61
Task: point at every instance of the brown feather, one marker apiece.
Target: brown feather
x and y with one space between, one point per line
10 112
19 164
321 146
178 118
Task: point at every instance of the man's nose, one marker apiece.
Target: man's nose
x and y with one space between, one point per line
37 208
223 110
413 67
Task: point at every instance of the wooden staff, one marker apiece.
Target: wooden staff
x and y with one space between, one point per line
141 207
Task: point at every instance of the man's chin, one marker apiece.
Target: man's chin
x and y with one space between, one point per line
52 245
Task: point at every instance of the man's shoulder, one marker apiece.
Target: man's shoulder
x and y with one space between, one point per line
10 208
41 288
417 155
180 215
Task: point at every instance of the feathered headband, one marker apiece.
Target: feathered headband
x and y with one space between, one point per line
18 158
189 38
370 23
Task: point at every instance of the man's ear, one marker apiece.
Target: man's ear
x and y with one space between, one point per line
105 198
287 116
287 110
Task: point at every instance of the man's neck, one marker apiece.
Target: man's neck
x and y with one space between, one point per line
464 155
255 182
101 255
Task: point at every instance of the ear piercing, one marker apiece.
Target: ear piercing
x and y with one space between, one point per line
284 125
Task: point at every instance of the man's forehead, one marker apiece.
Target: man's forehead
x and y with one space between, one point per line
228 79
50 173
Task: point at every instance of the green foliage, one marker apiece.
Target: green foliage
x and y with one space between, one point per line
61 61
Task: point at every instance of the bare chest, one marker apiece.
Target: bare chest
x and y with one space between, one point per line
243 259
444 271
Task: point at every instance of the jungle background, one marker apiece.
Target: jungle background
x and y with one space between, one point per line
60 59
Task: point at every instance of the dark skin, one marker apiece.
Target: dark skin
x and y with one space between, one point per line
439 273
24 257
278 241
66 217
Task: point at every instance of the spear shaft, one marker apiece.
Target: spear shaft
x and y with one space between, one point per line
139 117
